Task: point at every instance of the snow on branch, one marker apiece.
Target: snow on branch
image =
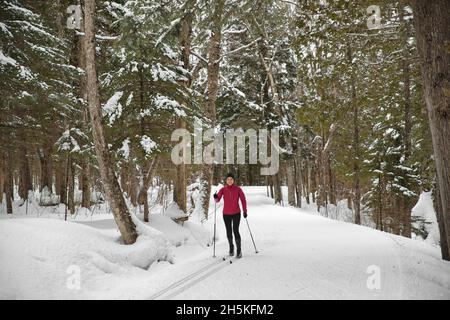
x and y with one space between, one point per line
238 49
112 108
171 26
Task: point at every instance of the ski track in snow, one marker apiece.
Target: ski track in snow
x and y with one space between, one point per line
190 279
305 256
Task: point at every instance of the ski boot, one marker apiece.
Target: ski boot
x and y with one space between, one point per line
238 252
231 252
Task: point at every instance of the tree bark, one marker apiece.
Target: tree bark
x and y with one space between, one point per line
85 185
320 201
299 180
134 184
432 24
45 157
179 194
290 173
70 186
407 201
180 197
356 152
277 188
59 176
2 177
213 70
445 244
25 183
113 191
329 196
148 174
63 184
8 184
308 182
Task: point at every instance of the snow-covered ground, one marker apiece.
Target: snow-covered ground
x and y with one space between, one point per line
301 256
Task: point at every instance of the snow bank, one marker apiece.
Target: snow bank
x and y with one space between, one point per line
47 198
173 211
40 257
186 233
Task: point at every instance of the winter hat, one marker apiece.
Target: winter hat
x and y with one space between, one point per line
229 175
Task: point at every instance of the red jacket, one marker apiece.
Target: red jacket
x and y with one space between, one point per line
231 195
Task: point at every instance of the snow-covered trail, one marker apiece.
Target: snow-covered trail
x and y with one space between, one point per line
301 256
304 256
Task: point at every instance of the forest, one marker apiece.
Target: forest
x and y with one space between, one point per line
91 92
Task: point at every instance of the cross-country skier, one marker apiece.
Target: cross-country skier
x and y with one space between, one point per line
231 212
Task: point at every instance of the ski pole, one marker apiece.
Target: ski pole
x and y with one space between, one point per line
256 250
214 237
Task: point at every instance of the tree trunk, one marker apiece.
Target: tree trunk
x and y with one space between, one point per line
25 184
147 177
320 201
356 170
8 185
324 169
45 157
445 244
134 184
70 186
380 200
308 182
356 152
213 69
290 171
2 177
277 188
313 180
407 201
432 24
180 197
179 194
113 191
64 167
299 178
85 184
59 176
332 182
271 187
85 163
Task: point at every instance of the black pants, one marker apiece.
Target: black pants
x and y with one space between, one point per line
232 226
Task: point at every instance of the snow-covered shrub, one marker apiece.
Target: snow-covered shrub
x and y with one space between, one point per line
424 222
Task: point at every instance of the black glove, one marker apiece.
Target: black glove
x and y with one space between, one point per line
245 215
215 195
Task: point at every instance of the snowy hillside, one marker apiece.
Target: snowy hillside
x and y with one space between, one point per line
301 256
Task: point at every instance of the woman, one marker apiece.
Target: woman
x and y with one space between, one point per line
231 212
